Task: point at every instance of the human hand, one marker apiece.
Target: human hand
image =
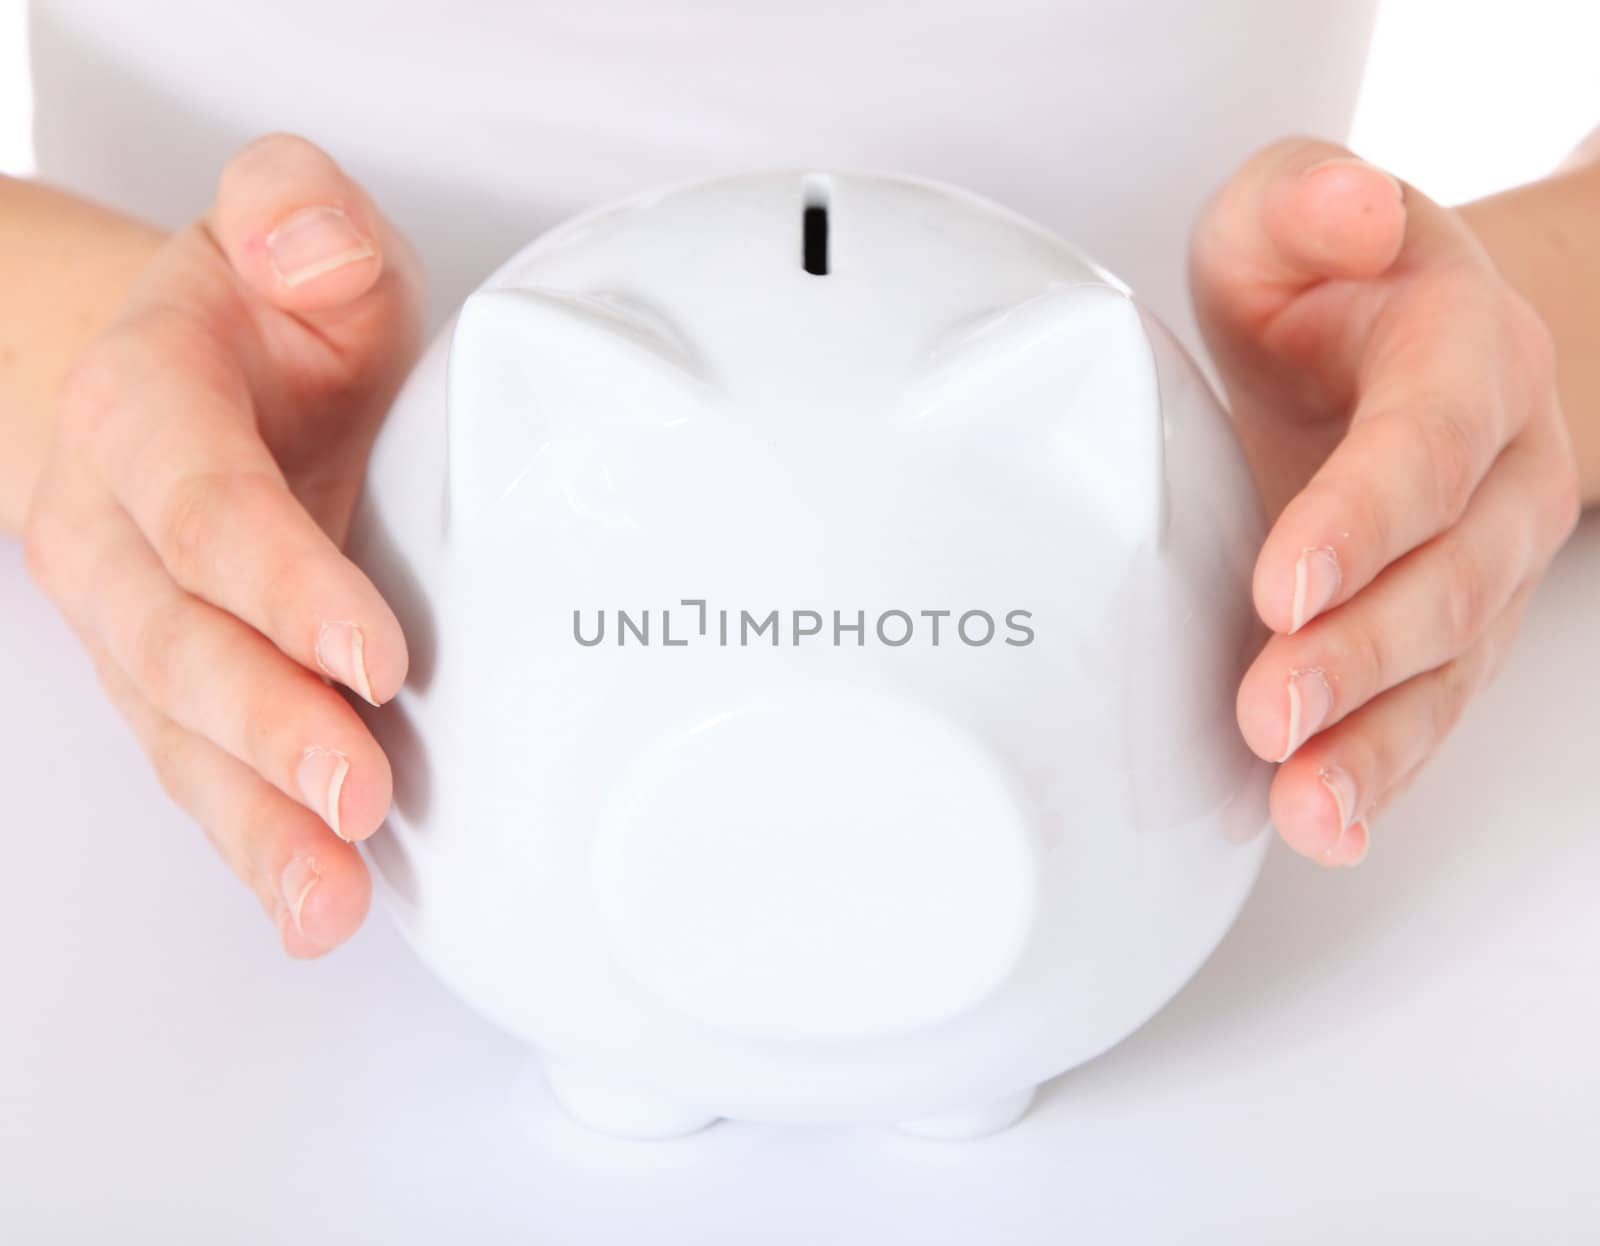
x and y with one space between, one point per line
1397 401
207 454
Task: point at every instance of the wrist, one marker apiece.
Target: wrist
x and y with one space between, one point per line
1545 240
69 264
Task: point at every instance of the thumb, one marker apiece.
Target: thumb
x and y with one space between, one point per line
342 291
306 238
1297 213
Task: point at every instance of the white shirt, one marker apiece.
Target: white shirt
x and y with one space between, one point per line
479 124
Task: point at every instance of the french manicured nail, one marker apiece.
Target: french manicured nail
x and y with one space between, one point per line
321 778
299 877
1343 790
1316 583
315 241
1355 162
1350 849
1359 839
341 652
1349 846
1310 703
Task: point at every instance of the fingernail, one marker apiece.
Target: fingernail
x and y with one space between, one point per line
1355 162
341 653
1316 583
312 242
321 779
1360 841
1310 702
299 877
1350 849
1343 790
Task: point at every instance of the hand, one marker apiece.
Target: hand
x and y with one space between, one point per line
207 454
1397 401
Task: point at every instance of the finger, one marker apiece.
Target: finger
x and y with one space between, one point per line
1322 797
314 888
205 670
180 454
1435 411
1420 613
224 682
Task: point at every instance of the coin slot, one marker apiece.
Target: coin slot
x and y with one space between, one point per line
814 225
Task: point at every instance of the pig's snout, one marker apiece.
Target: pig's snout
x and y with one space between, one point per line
821 863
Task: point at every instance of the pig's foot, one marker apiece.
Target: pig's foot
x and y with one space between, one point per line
612 1109
971 1122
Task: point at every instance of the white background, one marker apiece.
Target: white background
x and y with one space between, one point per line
1463 97
1401 1053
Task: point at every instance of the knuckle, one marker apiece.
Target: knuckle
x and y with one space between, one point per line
1373 515
187 524
44 547
1452 449
1450 695
1465 600
153 650
202 507
1367 658
1370 515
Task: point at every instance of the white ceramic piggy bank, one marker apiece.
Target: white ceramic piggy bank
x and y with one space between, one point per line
826 597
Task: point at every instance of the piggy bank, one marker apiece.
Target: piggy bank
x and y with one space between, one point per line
826 595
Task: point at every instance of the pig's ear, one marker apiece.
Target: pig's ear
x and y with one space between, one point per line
536 369
1065 384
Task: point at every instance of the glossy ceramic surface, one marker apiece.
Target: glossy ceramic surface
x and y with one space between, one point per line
822 683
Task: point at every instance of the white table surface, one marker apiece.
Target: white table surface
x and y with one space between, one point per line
1405 1052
